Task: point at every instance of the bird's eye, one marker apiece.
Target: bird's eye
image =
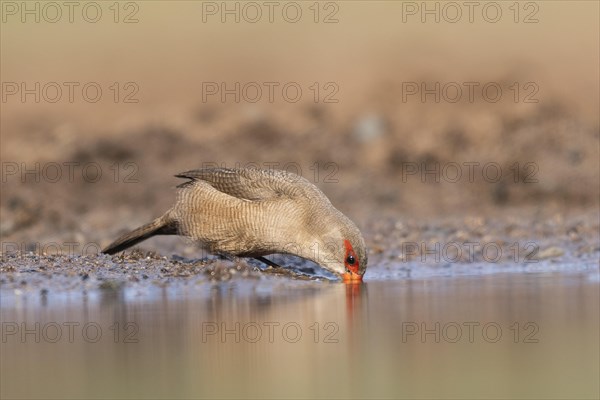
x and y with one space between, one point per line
350 260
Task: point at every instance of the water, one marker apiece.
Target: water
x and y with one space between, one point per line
499 335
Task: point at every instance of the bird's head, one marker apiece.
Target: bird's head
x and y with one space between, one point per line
342 250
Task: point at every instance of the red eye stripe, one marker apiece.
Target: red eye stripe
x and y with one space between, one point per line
350 252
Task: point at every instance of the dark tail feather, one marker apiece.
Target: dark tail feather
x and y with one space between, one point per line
160 226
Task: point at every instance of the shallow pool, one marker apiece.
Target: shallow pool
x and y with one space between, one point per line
516 335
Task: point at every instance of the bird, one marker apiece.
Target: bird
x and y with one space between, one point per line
254 212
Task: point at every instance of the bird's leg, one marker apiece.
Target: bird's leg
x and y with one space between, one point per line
268 262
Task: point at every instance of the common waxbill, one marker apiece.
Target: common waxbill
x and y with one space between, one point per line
251 212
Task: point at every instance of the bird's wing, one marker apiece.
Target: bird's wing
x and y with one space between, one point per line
253 184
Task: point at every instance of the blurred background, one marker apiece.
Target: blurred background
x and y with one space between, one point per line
422 121
502 108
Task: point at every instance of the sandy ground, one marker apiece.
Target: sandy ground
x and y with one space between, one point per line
519 241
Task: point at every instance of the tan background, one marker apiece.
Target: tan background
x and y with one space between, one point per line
368 54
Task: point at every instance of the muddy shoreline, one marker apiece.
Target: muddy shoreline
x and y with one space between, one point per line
398 249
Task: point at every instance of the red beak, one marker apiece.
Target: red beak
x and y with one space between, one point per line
351 277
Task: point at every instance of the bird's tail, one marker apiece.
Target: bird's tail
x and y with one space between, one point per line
160 226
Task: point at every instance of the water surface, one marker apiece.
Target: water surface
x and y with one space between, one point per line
499 335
